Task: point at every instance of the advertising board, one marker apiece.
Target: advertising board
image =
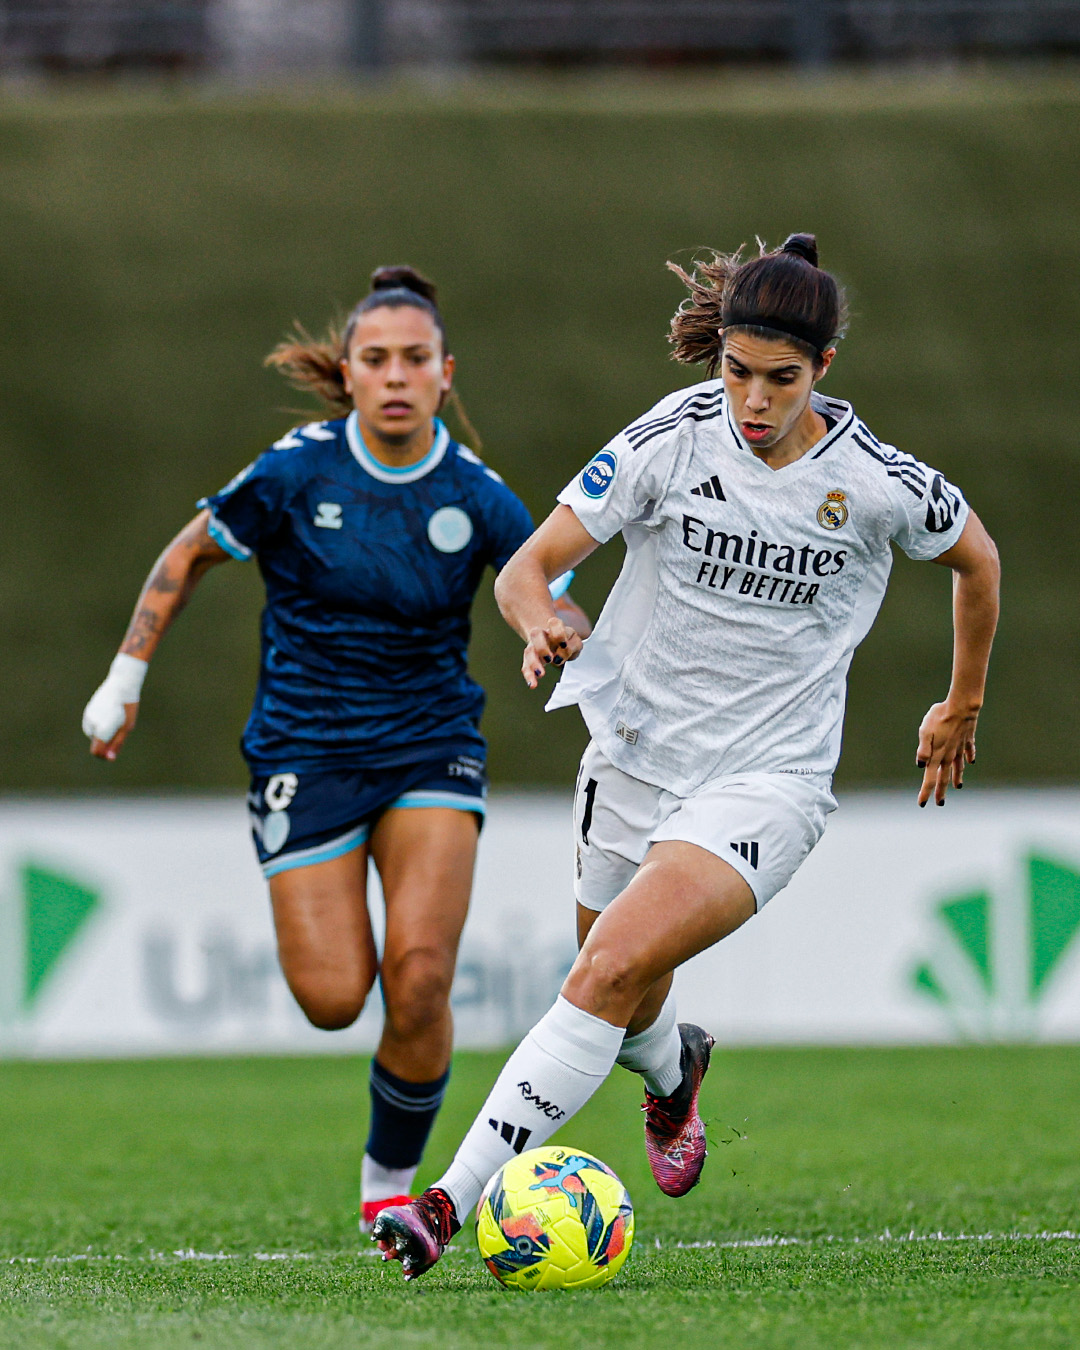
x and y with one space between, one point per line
142 927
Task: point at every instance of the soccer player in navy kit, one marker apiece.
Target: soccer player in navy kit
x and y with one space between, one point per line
372 531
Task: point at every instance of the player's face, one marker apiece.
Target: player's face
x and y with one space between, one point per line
396 371
768 383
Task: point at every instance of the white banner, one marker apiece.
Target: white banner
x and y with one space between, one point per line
142 927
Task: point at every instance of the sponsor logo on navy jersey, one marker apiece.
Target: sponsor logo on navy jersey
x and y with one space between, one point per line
599 474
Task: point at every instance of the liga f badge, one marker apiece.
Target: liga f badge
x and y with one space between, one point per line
833 512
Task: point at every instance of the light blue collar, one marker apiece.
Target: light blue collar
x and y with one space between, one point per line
386 473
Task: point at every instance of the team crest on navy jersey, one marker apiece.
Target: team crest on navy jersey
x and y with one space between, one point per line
833 511
450 529
599 474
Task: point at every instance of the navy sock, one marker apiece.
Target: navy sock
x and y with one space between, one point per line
402 1115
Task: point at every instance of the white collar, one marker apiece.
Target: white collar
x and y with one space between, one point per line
386 473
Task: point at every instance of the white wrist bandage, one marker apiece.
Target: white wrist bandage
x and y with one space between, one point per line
105 713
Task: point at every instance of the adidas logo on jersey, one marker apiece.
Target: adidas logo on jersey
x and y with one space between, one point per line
710 489
506 1131
748 850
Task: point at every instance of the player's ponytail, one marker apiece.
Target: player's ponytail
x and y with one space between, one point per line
314 366
779 294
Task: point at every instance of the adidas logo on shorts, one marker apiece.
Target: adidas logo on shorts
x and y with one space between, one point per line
748 850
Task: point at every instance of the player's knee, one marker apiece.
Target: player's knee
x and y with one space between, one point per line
602 977
329 1009
416 990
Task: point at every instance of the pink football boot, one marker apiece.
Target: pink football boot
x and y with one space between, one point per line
674 1132
418 1233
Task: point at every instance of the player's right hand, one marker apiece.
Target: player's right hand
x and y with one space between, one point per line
109 749
114 706
552 645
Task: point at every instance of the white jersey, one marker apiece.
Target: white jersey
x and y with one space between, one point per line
725 643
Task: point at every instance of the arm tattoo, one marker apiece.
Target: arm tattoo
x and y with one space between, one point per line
169 588
162 580
146 628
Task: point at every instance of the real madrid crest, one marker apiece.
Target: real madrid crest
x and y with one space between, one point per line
833 512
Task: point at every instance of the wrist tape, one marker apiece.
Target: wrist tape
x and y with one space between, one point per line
126 675
104 714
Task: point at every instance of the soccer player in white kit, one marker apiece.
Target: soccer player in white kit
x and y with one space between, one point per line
758 517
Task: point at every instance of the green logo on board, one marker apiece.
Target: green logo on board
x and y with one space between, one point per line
996 958
42 920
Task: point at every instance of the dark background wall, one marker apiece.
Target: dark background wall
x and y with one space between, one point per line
155 246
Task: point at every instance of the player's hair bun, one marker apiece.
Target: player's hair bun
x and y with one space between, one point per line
803 246
403 278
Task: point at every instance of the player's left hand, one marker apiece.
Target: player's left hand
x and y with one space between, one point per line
573 616
552 645
946 744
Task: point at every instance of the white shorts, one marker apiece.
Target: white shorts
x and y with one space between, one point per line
763 824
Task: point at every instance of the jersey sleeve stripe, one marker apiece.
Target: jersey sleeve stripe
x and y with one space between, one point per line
639 433
643 423
220 533
906 473
693 413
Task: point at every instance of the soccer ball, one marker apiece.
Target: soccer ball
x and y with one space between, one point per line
554 1218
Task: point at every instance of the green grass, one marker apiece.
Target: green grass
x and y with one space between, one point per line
914 1184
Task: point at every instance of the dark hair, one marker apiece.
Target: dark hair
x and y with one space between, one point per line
314 364
778 294
393 287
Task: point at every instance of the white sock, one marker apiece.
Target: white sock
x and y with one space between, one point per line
548 1078
656 1052
384 1183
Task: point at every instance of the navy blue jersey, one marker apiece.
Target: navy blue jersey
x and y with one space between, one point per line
370 574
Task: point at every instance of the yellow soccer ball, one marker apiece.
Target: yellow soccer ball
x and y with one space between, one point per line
554 1218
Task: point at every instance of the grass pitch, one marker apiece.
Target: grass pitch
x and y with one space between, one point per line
922 1198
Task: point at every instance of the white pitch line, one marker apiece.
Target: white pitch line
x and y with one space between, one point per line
887 1238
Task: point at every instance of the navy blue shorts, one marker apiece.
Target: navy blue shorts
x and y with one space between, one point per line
302 818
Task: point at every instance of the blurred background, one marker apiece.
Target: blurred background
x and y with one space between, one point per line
181 179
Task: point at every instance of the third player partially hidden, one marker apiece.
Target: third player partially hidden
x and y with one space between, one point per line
758 517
